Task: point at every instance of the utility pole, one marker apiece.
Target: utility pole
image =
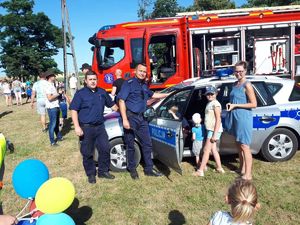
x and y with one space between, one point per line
66 23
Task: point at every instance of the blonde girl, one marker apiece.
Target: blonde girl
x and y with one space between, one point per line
214 130
243 199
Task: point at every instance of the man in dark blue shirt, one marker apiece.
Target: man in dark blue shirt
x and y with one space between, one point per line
87 109
133 102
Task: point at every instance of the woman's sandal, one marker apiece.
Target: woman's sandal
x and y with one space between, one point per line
199 173
244 178
220 170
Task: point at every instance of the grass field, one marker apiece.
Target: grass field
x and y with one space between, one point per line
172 199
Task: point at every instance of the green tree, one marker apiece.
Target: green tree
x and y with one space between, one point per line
263 3
142 10
28 41
204 5
165 8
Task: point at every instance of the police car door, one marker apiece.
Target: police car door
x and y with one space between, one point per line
166 129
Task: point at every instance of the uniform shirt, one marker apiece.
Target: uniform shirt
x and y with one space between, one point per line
51 90
90 105
209 119
40 87
135 93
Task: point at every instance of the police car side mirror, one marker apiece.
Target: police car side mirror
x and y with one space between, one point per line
149 114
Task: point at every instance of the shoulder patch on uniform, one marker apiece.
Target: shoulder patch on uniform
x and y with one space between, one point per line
130 81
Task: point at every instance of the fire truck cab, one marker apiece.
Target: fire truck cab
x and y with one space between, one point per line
197 44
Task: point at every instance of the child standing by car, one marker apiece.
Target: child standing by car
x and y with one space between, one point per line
214 130
243 199
197 137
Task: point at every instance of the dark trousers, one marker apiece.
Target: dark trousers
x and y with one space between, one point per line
140 129
54 124
95 136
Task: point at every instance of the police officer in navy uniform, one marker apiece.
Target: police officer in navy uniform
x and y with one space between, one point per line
87 109
133 98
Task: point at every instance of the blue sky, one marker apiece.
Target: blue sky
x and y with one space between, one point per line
87 16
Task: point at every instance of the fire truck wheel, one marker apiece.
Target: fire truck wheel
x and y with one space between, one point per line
281 145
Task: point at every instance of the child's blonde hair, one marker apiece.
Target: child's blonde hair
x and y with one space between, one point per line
242 196
196 119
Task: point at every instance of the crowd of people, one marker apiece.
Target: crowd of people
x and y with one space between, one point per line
87 108
14 89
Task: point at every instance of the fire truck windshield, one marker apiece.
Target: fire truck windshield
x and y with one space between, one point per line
110 52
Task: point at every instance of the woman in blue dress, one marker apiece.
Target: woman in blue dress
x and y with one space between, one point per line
242 100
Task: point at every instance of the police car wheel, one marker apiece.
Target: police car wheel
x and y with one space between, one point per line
281 145
118 161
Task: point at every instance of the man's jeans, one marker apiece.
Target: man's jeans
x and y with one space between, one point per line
54 124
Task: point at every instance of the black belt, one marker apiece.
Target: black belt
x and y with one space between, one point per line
90 125
128 112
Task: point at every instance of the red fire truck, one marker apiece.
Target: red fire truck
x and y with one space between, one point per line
196 44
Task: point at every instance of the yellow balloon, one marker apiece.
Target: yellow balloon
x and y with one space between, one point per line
55 195
2 148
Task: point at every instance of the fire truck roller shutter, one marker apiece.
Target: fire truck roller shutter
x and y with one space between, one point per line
197 61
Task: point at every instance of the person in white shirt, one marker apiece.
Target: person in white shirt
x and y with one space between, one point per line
73 84
38 92
6 87
52 106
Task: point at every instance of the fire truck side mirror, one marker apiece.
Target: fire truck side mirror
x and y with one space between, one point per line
97 43
92 39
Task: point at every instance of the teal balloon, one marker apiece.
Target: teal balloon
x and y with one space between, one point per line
28 176
55 219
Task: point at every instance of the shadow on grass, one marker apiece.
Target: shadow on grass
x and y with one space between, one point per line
5 113
79 214
230 162
67 126
176 218
162 168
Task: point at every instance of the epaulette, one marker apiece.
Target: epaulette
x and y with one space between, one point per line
130 81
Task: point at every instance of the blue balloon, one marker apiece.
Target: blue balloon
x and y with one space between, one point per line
28 176
55 219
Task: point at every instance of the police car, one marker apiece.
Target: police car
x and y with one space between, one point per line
276 121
